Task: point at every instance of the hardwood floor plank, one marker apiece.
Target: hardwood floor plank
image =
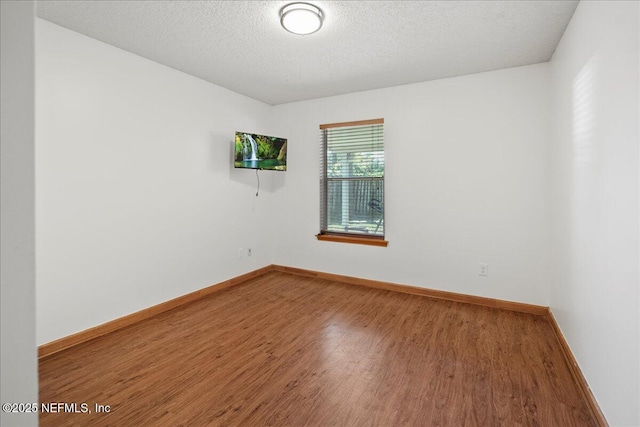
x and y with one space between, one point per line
285 349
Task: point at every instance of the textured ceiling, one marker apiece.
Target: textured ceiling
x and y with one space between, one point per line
362 45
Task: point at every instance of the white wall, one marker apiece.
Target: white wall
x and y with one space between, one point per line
137 201
466 182
595 281
17 217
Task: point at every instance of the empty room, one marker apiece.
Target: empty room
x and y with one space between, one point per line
328 213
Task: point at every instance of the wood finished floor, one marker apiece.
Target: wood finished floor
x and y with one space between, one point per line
296 351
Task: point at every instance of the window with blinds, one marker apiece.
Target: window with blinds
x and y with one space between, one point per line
352 179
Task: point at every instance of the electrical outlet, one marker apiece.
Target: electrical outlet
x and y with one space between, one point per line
484 269
241 253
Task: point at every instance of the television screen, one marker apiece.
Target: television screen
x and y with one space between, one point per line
255 151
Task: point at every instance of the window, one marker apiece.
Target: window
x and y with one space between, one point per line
352 182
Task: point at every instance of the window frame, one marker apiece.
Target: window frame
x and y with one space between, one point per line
346 237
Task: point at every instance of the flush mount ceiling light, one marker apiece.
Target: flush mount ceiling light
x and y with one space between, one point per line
301 18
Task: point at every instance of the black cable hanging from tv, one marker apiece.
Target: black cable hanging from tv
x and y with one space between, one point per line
258 178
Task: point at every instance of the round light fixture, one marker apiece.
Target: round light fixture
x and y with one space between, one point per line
301 18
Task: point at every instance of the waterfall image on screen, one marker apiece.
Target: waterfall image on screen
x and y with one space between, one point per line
255 151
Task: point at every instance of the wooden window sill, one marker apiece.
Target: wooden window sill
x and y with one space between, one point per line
352 239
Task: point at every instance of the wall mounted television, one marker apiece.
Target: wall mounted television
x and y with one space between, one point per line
254 151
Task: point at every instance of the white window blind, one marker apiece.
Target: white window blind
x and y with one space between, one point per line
352 179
